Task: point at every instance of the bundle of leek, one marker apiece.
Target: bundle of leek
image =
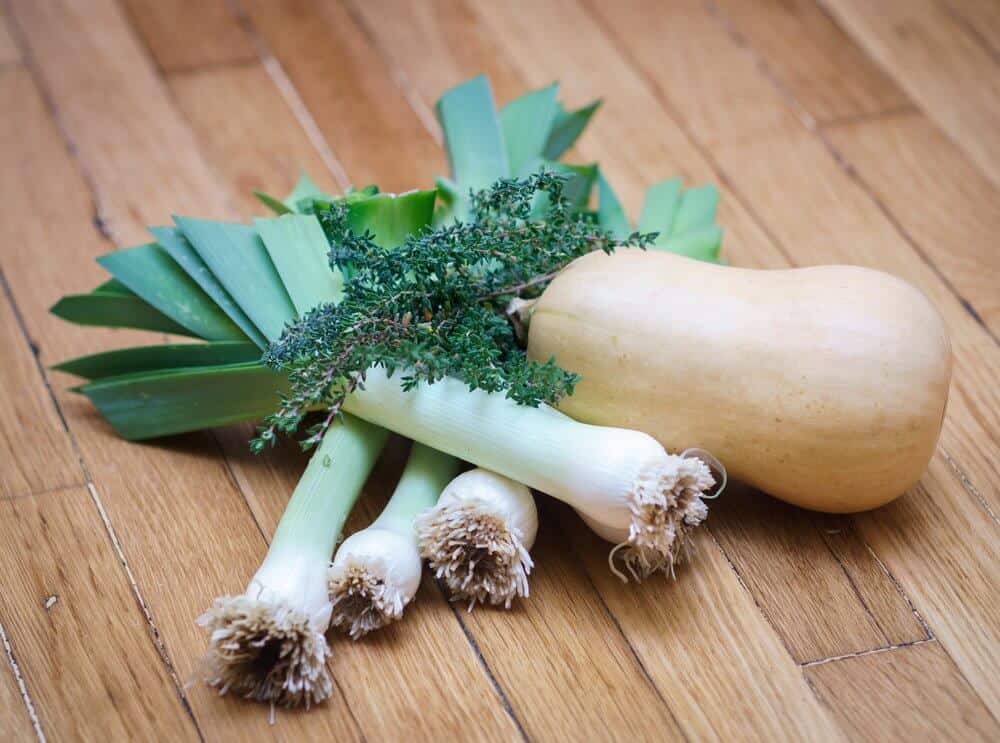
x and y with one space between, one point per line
238 286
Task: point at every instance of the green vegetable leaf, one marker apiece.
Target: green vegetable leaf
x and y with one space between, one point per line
274 204
702 244
473 136
660 207
145 405
697 209
150 272
115 310
236 255
390 217
567 128
174 242
610 214
526 122
298 249
160 357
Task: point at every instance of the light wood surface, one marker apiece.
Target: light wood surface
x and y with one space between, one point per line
836 134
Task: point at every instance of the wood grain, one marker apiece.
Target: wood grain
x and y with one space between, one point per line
947 207
349 92
15 722
748 246
818 64
857 607
932 56
981 19
431 637
83 645
912 693
945 555
183 35
248 133
9 52
35 448
184 528
834 220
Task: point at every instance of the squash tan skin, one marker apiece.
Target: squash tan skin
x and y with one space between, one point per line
825 387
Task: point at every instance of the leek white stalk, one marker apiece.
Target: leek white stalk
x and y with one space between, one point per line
477 537
268 643
376 571
622 479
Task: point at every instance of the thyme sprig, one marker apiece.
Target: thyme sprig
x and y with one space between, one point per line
434 307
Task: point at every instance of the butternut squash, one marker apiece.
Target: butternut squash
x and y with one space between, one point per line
825 387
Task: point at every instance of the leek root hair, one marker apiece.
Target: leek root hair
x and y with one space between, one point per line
477 538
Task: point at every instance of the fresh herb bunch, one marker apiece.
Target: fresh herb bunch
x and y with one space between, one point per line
435 306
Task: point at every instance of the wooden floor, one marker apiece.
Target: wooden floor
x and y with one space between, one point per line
844 131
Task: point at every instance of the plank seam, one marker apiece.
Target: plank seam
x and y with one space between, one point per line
22 686
424 113
840 159
291 97
863 653
508 708
89 182
618 626
851 582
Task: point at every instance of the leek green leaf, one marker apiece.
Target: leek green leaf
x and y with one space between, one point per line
150 272
610 214
113 286
697 209
526 122
567 128
660 207
236 256
390 217
472 134
298 249
160 357
115 310
174 242
276 205
305 190
146 405
702 244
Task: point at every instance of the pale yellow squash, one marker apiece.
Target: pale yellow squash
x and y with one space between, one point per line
825 386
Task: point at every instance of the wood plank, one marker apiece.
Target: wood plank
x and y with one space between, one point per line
424 657
949 209
112 104
813 59
911 693
855 608
981 19
168 501
945 555
625 104
35 447
834 219
628 102
562 640
954 78
716 660
183 35
9 53
248 133
901 157
82 643
15 722
349 91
